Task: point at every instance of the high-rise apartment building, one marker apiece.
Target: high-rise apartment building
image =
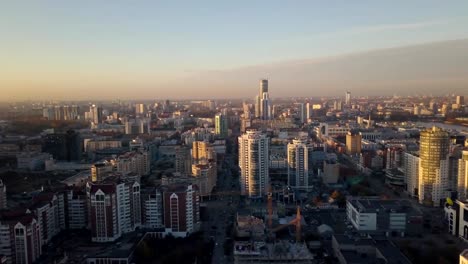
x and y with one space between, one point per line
152 207
181 209
433 166
348 98
20 234
221 125
139 109
462 187
102 212
95 114
299 152
353 143
309 108
183 161
302 112
411 171
114 208
205 176
202 152
253 163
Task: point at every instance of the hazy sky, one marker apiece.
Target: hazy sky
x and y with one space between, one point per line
157 49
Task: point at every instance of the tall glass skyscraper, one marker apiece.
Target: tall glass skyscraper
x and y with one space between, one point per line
433 166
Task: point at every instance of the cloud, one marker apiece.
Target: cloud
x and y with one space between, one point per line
396 27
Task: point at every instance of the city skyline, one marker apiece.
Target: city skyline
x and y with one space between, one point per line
218 50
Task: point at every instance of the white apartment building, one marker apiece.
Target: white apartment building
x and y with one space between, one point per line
152 208
253 163
298 164
462 186
411 170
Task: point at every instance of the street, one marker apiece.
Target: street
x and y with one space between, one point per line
222 210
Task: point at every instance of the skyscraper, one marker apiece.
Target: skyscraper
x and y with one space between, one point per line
95 114
298 164
348 98
309 109
303 112
139 109
221 125
460 100
253 163
260 108
265 107
433 165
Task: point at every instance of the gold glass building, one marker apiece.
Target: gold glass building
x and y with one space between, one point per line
433 165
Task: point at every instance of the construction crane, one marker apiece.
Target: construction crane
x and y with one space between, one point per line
295 222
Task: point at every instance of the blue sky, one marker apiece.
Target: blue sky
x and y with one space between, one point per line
59 41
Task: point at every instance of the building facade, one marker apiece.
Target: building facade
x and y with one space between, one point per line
253 163
299 152
433 166
181 209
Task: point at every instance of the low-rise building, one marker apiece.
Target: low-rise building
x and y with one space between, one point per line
374 215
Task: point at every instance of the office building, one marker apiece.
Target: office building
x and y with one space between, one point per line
299 152
433 166
460 100
221 125
374 215
253 163
181 209
63 146
259 108
366 250
265 107
353 143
